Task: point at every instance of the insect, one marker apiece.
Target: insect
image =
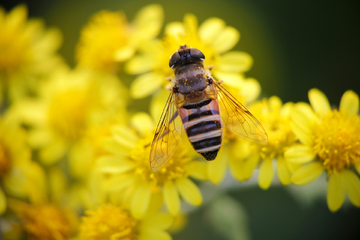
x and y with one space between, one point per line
197 98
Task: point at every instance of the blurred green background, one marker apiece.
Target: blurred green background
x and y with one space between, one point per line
296 45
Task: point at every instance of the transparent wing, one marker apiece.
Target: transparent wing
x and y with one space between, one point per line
167 135
237 118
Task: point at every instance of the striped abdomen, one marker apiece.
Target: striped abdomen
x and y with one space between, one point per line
203 126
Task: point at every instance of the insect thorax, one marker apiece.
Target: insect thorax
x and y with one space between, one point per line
190 78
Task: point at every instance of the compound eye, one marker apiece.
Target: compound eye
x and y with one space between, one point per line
174 59
196 54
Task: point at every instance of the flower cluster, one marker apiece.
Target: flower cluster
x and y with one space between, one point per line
74 151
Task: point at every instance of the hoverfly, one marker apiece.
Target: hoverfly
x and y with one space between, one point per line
196 97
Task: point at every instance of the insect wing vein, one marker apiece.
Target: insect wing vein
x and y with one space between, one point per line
237 118
167 135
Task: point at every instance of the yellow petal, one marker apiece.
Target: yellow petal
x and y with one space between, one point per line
349 104
305 136
217 168
57 183
351 183
171 197
237 168
229 78
124 136
252 89
189 191
117 183
39 137
124 53
50 41
149 20
140 200
198 170
304 117
226 40
53 152
234 61
319 102
139 65
143 123
146 84
250 166
307 173
175 29
109 164
335 193
266 174
159 221
191 24
282 171
299 154
292 166
275 104
2 201
210 28
286 109
17 16
151 234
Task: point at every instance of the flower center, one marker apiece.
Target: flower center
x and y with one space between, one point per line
106 33
45 222
108 222
173 169
280 137
5 163
337 141
67 114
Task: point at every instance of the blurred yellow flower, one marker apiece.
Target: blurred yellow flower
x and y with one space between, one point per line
83 155
108 39
275 118
110 221
27 51
330 142
14 160
131 173
44 221
46 213
68 104
212 37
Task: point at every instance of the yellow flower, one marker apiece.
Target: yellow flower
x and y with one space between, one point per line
212 37
131 173
108 39
14 160
275 118
45 215
67 106
27 51
44 221
110 221
330 142
83 155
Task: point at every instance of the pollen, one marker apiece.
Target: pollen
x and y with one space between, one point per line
337 141
46 222
108 222
67 114
5 162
